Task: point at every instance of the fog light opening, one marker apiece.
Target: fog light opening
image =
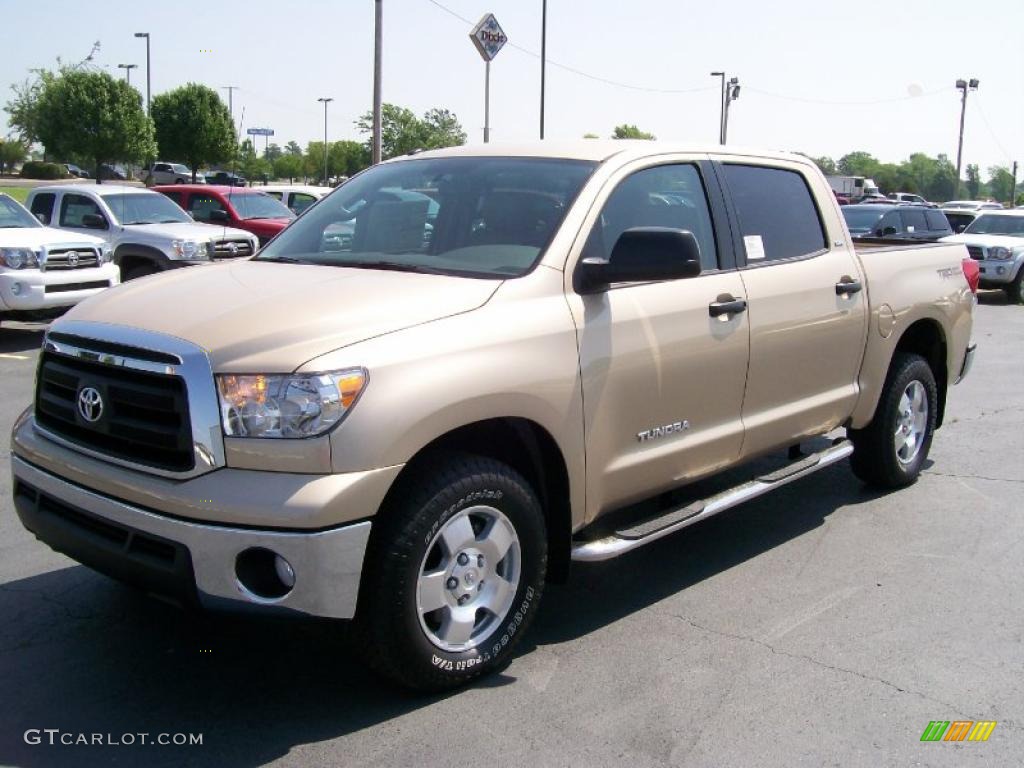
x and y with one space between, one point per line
16 289
264 574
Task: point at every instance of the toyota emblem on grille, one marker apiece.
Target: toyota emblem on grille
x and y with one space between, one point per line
90 404
233 248
72 257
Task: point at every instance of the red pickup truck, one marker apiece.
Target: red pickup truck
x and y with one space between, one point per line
247 209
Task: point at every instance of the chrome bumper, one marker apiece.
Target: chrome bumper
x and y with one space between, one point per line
124 540
968 362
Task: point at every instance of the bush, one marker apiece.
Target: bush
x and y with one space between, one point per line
34 169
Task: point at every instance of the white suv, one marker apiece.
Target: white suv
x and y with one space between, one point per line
170 173
44 269
147 231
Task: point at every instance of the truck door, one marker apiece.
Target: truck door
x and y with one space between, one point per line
806 306
662 378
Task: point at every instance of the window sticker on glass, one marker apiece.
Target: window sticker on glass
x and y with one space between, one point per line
754 246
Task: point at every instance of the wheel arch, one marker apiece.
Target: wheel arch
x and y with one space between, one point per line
528 448
129 255
926 338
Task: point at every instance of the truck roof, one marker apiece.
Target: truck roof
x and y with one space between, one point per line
97 189
597 150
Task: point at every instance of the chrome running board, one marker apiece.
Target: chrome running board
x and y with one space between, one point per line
672 520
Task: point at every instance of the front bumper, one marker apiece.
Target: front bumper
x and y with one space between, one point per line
996 273
43 290
185 560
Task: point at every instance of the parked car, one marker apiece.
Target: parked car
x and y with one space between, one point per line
420 437
971 205
995 239
146 231
170 173
960 218
45 270
297 197
225 179
247 209
77 172
909 197
109 172
896 222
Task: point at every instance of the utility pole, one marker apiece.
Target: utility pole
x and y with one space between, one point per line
1013 186
231 100
326 101
963 86
543 58
149 72
732 92
127 71
378 34
721 106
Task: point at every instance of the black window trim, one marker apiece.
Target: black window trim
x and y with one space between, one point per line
738 246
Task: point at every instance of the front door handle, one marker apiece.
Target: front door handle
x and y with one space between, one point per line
847 287
735 306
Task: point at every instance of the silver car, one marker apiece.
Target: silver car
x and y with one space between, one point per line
171 173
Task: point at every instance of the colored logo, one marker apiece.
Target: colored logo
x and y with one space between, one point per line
958 730
90 404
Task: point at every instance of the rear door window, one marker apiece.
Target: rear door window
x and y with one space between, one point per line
936 221
914 221
42 206
777 215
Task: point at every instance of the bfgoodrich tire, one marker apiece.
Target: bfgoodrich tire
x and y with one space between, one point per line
453 574
891 450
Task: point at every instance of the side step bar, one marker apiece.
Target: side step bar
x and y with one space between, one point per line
673 520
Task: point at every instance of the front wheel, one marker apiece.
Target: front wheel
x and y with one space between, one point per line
891 450
1015 290
453 574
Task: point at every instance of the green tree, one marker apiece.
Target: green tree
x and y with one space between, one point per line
402 132
250 164
94 115
347 158
973 181
589 135
194 125
289 166
12 151
858 164
23 108
272 152
1000 183
826 164
626 131
293 148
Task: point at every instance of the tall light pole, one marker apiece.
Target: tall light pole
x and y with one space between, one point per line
326 101
378 37
127 71
148 71
543 58
721 106
732 92
231 101
963 86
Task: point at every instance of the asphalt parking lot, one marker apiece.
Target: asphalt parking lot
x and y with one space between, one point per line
821 625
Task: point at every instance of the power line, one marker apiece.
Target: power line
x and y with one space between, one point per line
991 132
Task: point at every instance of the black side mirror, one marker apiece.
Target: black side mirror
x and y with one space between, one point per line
94 221
889 231
218 215
642 254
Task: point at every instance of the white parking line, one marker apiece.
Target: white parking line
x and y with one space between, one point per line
7 356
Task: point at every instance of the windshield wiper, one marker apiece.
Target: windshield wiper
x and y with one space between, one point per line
390 265
286 260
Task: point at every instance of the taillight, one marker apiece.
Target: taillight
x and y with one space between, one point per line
973 274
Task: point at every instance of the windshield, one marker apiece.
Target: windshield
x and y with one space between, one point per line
13 216
259 206
996 224
145 208
489 217
179 168
862 218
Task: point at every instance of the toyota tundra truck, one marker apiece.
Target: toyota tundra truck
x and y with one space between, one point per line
417 432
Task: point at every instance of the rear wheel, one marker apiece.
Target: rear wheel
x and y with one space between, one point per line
453 574
891 450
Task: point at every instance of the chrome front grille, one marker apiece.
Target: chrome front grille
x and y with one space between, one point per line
232 248
71 258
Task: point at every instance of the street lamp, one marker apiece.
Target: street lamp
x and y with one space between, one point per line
326 101
127 71
963 86
148 70
732 92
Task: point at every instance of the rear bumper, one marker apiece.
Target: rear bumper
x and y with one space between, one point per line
188 561
965 367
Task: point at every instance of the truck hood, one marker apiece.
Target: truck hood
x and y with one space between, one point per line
986 241
182 231
33 237
262 317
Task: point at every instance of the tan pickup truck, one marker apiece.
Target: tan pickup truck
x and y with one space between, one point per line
426 396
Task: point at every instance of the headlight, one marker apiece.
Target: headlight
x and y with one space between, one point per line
999 253
193 250
287 405
18 258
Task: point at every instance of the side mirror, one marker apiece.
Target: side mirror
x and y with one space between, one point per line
94 221
642 254
43 219
889 231
218 215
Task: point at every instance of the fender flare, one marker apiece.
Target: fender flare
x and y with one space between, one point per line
145 252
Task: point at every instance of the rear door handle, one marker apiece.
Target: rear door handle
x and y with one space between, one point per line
848 287
717 308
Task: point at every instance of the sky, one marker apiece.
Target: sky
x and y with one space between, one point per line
824 77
